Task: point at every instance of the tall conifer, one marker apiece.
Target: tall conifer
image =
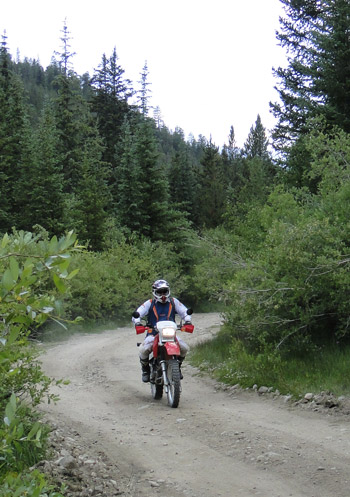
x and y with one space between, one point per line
257 143
316 80
44 200
14 141
212 187
111 91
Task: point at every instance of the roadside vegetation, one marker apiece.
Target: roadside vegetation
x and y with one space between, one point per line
260 233
325 370
34 275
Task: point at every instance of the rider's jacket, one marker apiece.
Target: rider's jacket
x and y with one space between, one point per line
159 311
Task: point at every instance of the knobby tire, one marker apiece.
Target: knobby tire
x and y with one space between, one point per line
174 387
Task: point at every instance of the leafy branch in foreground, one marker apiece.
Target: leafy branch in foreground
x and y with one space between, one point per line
34 275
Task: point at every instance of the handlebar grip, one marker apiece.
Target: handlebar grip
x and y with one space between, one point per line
188 328
140 329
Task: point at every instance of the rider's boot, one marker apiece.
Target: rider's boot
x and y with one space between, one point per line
145 370
180 363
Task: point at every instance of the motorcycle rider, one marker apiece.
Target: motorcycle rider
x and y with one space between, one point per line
161 308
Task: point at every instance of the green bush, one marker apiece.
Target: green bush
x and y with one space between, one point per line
31 484
229 361
23 440
292 293
110 285
34 275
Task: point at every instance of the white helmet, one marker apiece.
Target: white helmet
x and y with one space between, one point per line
161 290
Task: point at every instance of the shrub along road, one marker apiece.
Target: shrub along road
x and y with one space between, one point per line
217 443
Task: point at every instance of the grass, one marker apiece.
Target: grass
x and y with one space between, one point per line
228 361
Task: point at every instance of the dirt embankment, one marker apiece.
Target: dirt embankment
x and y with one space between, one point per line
112 438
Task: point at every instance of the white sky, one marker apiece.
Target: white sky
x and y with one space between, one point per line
210 62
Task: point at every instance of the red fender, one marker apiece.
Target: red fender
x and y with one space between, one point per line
172 348
155 346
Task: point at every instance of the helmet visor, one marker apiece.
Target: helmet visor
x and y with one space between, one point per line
162 291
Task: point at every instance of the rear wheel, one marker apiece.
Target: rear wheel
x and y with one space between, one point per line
174 387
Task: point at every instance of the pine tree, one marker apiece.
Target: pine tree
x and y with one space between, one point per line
257 143
129 185
182 184
65 55
87 206
44 199
157 116
231 150
111 92
212 188
142 190
74 120
231 157
143 95
316 81
14 141
252 175
155 191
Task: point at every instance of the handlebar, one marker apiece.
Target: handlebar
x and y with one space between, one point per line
188 328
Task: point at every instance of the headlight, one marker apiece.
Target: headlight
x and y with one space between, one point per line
168 333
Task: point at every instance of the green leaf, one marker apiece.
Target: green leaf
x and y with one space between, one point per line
14 268
28 237
64 265
20 319
36 492
38 435
28 269
20 430
59 284
14 333
10 409
50 260
5 240
7 280
33 432
72 274
53 245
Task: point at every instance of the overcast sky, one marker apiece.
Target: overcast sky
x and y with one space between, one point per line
210 62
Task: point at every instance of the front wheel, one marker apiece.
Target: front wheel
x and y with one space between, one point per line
174 386
156 385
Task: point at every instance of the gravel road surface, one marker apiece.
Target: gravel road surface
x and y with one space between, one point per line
217 443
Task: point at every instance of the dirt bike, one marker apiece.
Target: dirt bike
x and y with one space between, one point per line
165 359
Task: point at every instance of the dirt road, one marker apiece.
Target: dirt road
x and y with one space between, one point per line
216 443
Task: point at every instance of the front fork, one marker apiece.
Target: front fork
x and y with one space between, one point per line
165 375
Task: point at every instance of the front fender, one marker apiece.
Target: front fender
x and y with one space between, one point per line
155 346
172 348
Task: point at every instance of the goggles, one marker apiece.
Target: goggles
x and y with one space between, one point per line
162 291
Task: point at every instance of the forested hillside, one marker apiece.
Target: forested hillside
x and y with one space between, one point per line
262 229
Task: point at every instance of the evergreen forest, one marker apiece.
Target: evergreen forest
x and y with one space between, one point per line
92 178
